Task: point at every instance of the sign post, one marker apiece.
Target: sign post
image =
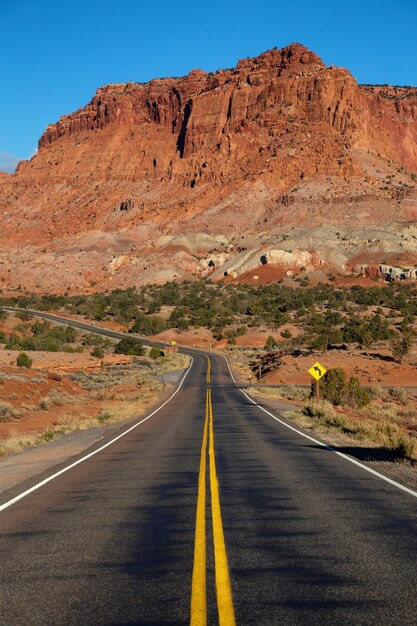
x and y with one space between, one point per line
317 371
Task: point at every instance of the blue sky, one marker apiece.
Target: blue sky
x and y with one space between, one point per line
54 54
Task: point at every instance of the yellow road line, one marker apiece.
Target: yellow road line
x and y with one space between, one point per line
208 369
198 589
223 586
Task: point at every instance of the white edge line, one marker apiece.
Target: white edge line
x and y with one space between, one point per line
6 505
324 445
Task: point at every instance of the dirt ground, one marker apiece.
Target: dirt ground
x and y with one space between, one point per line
376 368
39 404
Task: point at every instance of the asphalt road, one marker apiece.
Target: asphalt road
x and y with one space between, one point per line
211 506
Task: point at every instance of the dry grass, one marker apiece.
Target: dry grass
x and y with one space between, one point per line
124 405
16 442
386 424
382 432
286 392
7 413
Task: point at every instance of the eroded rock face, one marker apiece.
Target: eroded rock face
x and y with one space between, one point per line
279 141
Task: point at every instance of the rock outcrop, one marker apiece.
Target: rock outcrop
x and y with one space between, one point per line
279 141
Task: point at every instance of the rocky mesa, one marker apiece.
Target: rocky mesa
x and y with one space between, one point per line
280 161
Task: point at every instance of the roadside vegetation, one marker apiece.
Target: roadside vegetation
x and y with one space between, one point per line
325 315
377 417
80 400
34 335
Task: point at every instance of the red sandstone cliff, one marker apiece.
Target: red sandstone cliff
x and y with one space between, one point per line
253 145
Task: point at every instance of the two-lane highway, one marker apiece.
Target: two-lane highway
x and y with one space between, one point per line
211 511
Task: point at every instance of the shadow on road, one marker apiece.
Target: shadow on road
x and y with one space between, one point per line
368 453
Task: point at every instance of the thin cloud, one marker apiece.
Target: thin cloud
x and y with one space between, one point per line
8 162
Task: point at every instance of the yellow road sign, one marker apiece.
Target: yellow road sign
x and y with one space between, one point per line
317 371
173 343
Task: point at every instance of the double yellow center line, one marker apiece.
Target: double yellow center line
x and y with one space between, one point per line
223 587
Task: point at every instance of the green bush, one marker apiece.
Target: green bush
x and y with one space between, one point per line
333 386
182 324
129 345
270 343
25 316
91 339
44 337
148 325
322 411
401 345
337 389
399 394
97 352
156 353
23 360
357 395
104 416
404 447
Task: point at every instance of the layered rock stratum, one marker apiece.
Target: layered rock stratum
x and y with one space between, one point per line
279 161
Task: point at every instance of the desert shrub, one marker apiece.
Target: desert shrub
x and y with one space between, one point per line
129 345
23 360
47 435
104 416
182 324
25 316
156 353
404 447
218 332
337 389
270 343
333 386
44 404
91 339
6 411
56 399
401 344
148 325
73 349
376 392
399 394
386 411
292 392
357 395
97 352
322 410
2 337
44 337
12 342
